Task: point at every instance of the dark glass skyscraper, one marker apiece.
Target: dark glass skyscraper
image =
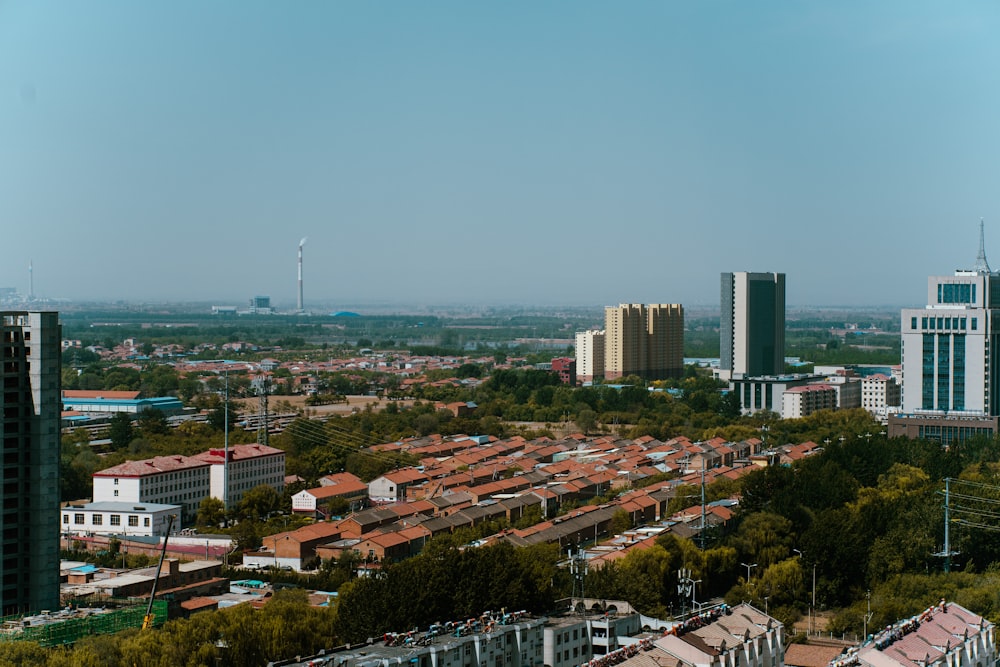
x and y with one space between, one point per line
30 405
752 325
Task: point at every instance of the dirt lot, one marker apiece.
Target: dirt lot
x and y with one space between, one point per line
354 403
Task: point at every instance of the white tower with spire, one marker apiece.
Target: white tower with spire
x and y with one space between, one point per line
951 352
300 307
982 266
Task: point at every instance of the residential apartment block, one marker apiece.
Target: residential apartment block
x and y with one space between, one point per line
642 340
29 427
589 355
804 400
945 634
517 642
880 395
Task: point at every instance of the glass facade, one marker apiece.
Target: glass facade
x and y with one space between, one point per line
927 393
956 293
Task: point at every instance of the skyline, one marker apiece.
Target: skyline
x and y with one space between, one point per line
568 153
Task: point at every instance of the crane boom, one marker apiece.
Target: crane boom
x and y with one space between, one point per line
147 621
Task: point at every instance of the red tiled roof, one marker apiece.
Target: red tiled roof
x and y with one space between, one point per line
100 393
153 466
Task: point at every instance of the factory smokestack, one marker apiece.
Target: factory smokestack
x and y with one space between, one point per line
301 243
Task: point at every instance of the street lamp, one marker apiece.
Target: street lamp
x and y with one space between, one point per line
748 567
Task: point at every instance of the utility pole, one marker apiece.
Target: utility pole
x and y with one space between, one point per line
225 448
262 410
868 616
685 587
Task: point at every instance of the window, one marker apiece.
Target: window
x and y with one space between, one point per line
116 481
116 519
145 521
98 519
133 520
65 518
116 493
77 518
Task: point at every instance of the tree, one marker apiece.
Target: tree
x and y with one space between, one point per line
211 512
120 431
153 422
258 502
586 420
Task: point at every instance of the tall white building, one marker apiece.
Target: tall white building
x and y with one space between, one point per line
752 325
187 480
951 347
589 355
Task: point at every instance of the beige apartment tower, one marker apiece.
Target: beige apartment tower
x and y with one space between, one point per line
642 340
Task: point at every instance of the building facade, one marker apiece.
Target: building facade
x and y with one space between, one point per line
647 341
166 480
589 355
951 354
880 395
752 325
29 427
950 361
129 519
802 401
565 368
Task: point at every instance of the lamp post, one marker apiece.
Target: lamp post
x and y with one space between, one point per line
748 567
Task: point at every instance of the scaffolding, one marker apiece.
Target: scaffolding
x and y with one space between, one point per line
67 626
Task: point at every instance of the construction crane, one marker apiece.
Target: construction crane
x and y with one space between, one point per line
147 621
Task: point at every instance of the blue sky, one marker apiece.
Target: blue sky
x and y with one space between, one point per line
519 152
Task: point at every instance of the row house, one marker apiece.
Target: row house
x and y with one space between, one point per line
391 487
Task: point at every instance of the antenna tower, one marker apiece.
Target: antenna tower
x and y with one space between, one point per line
982 266
262 411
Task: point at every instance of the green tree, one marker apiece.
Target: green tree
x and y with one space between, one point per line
258 503
120 431
211 512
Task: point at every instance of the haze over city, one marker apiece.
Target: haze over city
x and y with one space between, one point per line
566 152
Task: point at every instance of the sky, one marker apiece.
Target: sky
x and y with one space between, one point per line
518 152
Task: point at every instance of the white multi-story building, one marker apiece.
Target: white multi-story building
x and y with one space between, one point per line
169 480
108 518
589 355
880 395
249 466
951 349
752 325
188 480
515 643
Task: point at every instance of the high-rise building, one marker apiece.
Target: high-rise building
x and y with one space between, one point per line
29 429
752 325
951 347
589 355
647 341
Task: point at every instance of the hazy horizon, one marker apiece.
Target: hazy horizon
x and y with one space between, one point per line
570 153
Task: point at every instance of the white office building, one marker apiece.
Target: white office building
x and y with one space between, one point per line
116 518
951 351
